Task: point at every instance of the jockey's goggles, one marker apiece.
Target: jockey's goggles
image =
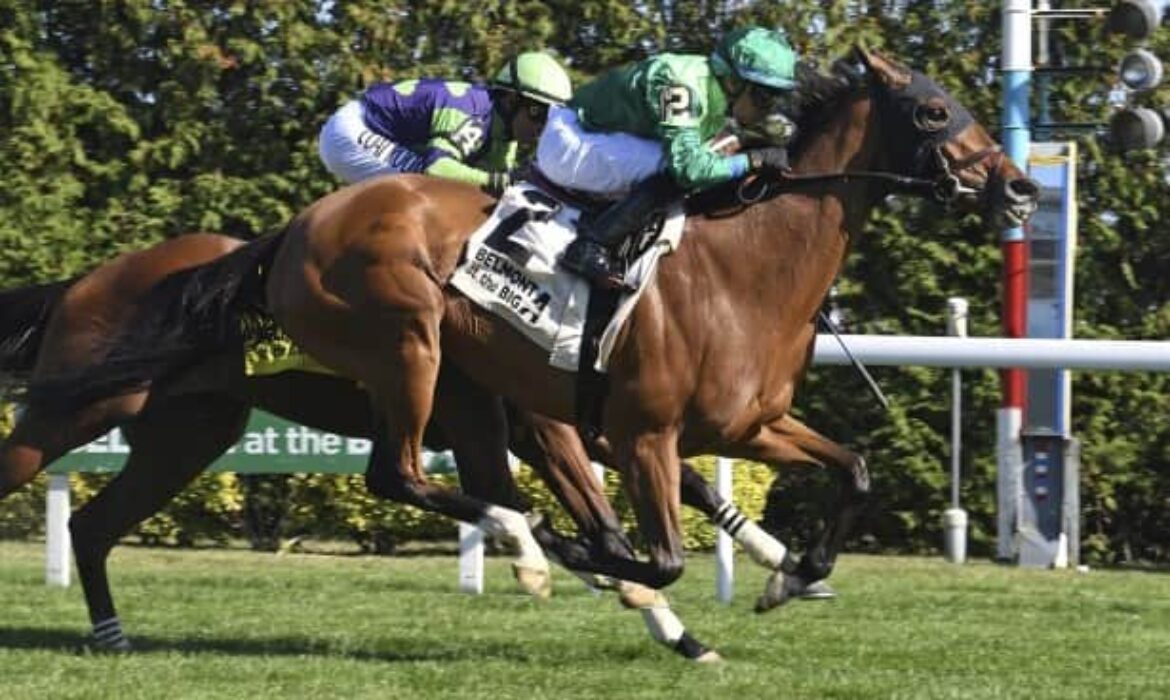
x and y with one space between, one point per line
771 100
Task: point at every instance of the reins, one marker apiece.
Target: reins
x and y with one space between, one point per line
944 189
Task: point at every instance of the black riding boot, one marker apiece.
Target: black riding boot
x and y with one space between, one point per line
590 253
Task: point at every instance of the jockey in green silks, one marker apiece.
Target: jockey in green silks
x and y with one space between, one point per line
639 133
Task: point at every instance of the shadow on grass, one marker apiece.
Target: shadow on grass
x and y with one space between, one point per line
404 649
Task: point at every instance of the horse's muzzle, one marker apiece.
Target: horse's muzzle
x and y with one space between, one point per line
1015 201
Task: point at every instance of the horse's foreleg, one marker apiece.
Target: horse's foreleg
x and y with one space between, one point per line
652 484
853 487
787 441
763 548
555 451
664 626
171 443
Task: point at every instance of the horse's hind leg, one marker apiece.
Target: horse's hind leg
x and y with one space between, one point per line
787 441
401 367
171 443
41 436
475 426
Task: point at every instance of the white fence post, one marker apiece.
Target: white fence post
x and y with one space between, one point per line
57 545
470 559
955 518
599 472
724 547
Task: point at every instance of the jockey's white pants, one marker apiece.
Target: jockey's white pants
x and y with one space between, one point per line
600 163
352 152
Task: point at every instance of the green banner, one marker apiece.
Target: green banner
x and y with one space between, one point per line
271 445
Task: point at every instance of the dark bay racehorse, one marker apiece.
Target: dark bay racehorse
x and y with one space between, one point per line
708 363
177 428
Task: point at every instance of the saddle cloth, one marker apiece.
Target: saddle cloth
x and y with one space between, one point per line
510 269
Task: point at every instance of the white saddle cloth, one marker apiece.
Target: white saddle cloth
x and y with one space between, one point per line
517 278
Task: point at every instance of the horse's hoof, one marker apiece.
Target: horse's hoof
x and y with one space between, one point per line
535 582
635 596
709 657
779 589
818 590
599 582
118 646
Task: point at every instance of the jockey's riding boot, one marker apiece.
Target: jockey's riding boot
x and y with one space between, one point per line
590 253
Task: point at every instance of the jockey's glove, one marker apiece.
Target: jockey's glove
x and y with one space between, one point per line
771 159
498 181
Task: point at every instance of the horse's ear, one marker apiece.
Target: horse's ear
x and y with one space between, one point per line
893 74
850 69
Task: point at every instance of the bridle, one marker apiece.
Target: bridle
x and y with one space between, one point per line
944 187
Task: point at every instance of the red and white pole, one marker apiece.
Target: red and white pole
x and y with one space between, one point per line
1017 81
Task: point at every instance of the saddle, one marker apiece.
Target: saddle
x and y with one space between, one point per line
510 269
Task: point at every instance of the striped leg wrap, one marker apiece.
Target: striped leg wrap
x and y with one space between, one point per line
107 634
764 549
729 518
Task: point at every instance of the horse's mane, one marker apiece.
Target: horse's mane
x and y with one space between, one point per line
821 96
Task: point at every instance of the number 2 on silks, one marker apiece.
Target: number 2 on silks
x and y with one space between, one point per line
676 101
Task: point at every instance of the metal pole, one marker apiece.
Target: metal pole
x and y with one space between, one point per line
1044 60
956 326
1034 353
955 518
1017 76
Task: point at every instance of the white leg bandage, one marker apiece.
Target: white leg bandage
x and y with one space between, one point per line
512 527
663 624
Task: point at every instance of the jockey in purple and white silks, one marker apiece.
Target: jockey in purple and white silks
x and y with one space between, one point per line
461 131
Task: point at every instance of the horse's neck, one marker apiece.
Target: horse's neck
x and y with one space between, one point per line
792 246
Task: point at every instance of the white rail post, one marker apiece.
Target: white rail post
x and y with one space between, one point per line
955 518
599 472
724 546
57 546
470 559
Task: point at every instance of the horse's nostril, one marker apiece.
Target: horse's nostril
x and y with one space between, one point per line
1023 188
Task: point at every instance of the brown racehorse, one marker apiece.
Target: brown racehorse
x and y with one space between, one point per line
176 430
708 363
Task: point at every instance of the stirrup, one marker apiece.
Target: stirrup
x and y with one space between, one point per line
592 261
612 282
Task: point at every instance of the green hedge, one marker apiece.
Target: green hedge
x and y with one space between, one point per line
336 507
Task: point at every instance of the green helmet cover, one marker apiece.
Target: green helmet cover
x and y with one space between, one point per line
757 55
537 76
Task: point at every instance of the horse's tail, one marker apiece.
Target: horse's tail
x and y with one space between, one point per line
184 317
24 315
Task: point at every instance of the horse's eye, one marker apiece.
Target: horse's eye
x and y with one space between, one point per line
931 116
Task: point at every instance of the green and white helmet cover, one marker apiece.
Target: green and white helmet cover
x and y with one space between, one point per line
757 55
537 76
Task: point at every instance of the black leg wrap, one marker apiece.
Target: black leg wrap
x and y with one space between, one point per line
690 647
790 564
